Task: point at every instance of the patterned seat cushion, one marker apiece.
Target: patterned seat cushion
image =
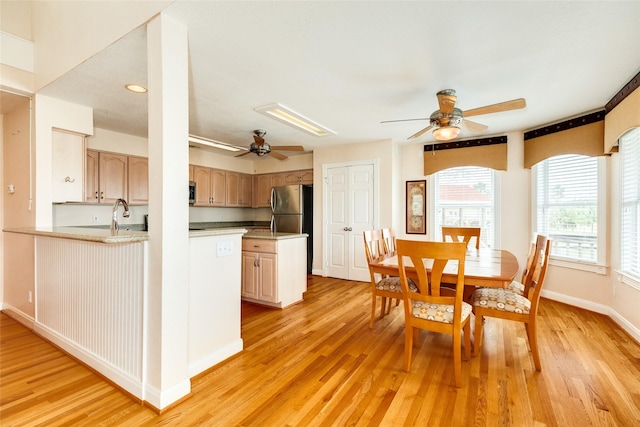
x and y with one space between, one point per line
501 299
442 313
392 284
516 287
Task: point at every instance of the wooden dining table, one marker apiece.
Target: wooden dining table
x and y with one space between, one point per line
483 267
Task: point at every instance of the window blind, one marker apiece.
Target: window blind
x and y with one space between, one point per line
630 209
465 197
567 206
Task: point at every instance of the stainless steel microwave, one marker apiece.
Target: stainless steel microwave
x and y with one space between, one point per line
192 192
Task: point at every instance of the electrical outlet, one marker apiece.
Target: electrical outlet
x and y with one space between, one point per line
224 249
95 218
30 297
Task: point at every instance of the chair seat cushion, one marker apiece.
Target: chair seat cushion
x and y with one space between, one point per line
392 284
516 287
442 313
501 299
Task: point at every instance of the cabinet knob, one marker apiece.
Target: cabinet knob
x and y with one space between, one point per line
102 195
96 195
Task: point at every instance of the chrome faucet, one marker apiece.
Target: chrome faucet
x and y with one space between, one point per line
114 218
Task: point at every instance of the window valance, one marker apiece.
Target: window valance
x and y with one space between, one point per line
622 113
581 135
487 152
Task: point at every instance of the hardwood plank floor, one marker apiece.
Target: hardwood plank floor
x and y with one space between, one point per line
319 364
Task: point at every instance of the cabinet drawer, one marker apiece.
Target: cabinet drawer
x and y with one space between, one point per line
259 245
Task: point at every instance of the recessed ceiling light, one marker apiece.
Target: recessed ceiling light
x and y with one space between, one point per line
288 116
136 88
213 143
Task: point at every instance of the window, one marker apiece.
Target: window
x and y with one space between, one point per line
568 206
465 197
630 209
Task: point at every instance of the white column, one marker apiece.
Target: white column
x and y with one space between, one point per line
167 378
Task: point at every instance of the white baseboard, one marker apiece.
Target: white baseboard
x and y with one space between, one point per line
216 357
131 385
162 398
631 329
17 315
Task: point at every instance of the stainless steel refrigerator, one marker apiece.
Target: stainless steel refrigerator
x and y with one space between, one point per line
292 212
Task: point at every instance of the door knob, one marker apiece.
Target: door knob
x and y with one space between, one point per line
348 229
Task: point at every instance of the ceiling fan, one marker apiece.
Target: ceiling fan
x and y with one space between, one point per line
446 121
261 147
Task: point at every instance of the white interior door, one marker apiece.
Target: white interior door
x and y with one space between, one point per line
350 211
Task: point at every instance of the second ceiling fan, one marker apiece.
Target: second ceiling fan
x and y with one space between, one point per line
446 121
260 147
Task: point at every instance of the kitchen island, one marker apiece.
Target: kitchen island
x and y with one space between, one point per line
274 268
91 288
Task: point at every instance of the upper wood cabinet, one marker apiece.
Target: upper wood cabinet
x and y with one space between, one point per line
67 166
262 185
210 186
304 176
107 182
138 180
239 189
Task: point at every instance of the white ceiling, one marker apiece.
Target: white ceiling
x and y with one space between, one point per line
350 65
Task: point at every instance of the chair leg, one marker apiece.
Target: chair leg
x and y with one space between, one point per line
408 346
467 340
373 310
383 307
457 360
478 333
533 343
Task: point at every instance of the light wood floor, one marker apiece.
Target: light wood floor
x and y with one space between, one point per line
318 363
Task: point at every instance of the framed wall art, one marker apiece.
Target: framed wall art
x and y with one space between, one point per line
416 207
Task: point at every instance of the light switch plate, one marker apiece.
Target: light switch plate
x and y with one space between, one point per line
224 249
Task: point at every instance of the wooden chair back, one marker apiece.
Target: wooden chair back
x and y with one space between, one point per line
389 236
461 234
373 244
537 273
434 256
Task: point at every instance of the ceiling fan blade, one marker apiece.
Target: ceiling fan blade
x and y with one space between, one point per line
243 154
514 104
473 126
403 120
278 155
446 101
420 133
288 147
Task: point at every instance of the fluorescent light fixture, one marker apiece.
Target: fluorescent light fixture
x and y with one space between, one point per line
213 143
136 88
288 116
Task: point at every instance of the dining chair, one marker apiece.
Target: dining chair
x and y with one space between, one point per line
427 308
385 287
504 303
389 236
464 234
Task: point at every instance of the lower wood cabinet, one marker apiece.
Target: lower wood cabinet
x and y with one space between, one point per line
269 282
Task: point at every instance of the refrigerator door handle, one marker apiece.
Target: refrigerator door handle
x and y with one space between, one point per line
272 225
273 199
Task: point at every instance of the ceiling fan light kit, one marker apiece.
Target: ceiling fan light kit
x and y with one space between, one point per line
287 116
446 133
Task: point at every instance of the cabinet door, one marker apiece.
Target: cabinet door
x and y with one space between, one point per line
249 275
232 189
202 178
67 155
268 290
292 177
277 180
306 176
138 181
218 187
261 191
91 177
245 190
113 177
